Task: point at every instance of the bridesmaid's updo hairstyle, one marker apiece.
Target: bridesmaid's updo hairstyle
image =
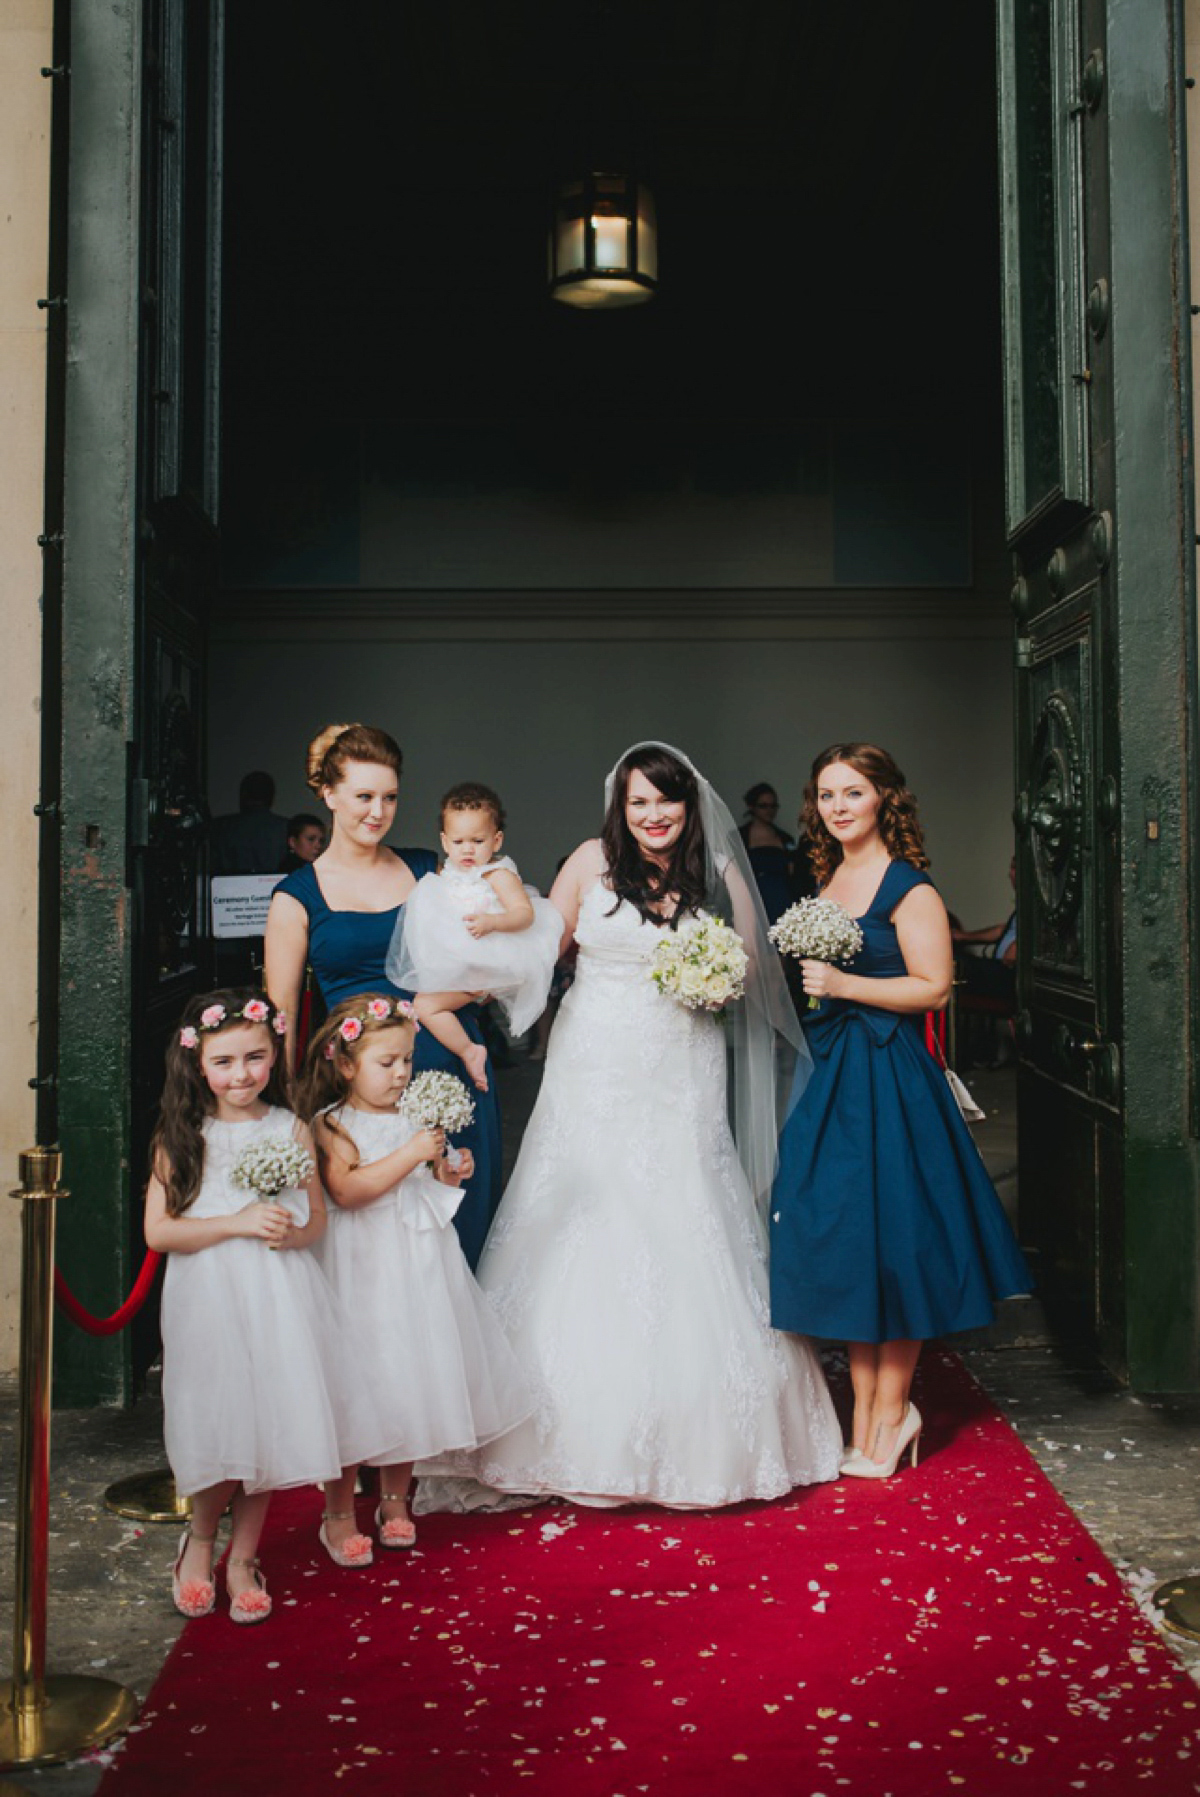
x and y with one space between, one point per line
897 818
330 753
630 875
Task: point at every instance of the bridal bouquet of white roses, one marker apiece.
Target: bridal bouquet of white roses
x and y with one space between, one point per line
268 1168
817 929
702 964
438 1101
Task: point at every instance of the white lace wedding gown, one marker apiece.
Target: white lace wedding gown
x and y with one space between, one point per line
627 1264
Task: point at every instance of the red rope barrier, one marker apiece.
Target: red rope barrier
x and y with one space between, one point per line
111 1325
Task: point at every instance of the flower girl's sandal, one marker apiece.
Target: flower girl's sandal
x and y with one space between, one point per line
192 1597
355 1550
396 1532
253 1605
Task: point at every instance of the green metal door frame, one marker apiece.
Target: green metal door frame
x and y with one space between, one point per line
100 442
1156 618
1093 151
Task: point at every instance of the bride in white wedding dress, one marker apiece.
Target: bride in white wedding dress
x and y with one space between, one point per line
627 1262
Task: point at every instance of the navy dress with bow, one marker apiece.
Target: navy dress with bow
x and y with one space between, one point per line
884 1223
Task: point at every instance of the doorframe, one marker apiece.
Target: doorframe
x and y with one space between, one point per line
99 455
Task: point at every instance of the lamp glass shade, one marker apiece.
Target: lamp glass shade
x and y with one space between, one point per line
603 243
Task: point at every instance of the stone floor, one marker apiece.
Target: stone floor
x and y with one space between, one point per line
1128 1466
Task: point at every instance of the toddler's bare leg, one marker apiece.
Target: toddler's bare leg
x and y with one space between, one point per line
435 1011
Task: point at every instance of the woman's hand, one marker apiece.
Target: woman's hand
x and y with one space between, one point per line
454 1176
430 1144
480 926
823 981
270 1223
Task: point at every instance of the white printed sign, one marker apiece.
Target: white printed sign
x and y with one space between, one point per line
239 903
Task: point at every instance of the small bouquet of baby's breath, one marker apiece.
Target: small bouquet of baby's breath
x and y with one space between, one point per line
702 964
268 1168
438 1101
817 929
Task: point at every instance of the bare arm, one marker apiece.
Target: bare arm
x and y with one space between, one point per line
924 936
314 1229
992 933
351 1186
517 913
271 1223
577 876
285 958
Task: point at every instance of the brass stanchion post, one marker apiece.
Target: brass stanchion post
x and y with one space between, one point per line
45 1718
148 1497
1179 1601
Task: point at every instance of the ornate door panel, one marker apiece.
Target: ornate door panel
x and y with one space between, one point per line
148 83
1103 606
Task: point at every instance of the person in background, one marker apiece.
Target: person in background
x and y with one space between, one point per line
991 975
769 848
305 840
253 839
997 972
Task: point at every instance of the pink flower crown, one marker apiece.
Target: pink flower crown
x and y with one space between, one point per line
255 1010
379 1010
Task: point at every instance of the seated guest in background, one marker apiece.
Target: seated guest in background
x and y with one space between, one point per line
1000 967
769 848
990 975
253 839
305 840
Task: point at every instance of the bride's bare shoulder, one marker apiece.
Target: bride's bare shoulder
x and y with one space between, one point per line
578 874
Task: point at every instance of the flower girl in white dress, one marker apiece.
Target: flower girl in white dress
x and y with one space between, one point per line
260 1389
473 928
398 1267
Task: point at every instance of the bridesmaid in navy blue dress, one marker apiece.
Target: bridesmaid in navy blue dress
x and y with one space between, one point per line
885 1228
338 913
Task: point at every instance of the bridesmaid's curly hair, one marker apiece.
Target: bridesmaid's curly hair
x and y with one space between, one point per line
899 825
630 875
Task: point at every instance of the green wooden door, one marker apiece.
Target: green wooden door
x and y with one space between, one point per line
140 507
1100 527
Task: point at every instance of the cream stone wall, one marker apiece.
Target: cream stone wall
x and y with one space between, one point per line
25 98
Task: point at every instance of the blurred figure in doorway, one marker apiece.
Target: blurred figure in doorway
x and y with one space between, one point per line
305 840
770 849
253 839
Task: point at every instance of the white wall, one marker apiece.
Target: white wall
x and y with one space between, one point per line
25 46
539 696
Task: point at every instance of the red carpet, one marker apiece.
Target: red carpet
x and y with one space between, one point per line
952 1630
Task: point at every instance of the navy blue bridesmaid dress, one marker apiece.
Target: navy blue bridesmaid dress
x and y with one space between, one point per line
347 951
884 1223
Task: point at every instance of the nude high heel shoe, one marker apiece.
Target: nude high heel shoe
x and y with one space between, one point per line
909 1436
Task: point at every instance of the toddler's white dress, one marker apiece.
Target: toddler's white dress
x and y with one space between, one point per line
259 1381
437 953
396 1264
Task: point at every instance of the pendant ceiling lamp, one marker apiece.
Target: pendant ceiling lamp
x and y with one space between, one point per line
603 243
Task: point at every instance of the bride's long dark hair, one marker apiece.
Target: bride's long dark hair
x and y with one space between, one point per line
630 875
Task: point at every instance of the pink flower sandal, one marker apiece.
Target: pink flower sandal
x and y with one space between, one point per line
253 1605
355 1550
395 1532
192 1597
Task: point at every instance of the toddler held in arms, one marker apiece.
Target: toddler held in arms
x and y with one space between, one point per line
472 929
